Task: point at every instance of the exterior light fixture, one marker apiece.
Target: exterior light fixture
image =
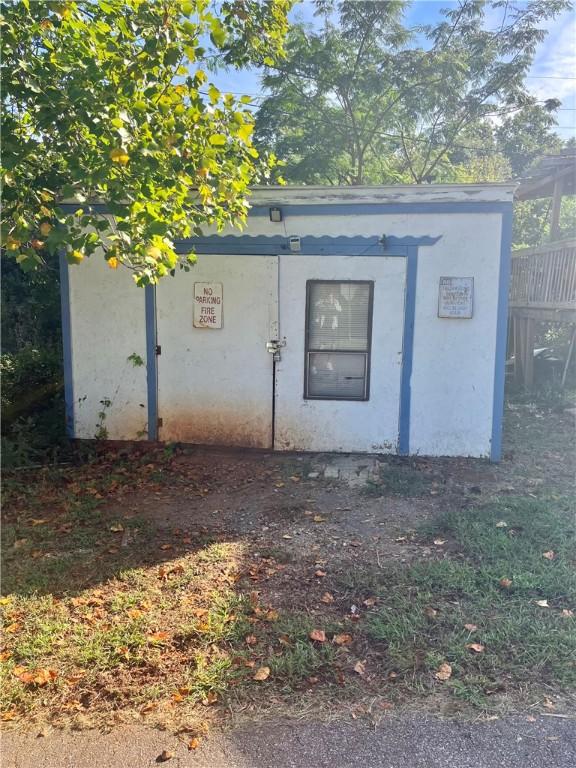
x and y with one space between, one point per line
275 214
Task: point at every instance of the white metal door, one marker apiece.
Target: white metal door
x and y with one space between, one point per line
215 384
330 424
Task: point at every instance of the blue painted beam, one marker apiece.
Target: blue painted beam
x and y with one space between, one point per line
501 336
67 345
151 361
408 351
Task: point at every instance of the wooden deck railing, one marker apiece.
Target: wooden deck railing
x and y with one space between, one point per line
544 277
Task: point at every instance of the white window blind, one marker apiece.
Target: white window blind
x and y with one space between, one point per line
338 340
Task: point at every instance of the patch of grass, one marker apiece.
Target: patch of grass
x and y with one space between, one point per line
298 658
424 608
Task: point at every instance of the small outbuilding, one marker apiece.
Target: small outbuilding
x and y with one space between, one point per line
351 319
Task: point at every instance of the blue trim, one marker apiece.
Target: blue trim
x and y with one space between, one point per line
378 209
263 245
341 209
407 351
501 336
151 361
67 345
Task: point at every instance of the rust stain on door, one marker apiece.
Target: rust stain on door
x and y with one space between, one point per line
238 426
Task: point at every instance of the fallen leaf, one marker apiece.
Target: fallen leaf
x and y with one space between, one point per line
5 655
117 528
280 485
194 743
548 703
313 680
567 613
439 542
262 673
320 574
542 603
531 718
319 519
12 628
385 705
444 672
506 583
360 667
210 698
38 521
286 536
158 637
501 524
165 755
135 613
318 634
476 647
430 612
5 600
342 639
8 715
165 547
327 598
251 639
369 602
550 555
470 627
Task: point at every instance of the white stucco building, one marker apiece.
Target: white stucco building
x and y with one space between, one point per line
369 319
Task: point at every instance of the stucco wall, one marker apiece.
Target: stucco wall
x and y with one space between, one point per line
452 383
107 314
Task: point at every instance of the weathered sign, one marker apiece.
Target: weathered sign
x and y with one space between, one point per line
208 303
456 297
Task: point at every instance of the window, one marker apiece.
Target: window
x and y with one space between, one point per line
338 335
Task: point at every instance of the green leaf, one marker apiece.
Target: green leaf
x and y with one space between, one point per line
218 139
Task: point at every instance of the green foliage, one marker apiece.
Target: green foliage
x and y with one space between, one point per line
361 98
111 101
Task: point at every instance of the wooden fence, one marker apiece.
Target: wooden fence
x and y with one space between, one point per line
544 277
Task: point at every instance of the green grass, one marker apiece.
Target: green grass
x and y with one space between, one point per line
523 642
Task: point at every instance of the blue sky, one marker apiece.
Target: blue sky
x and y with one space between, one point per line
553 74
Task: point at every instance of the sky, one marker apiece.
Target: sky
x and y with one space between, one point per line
553 73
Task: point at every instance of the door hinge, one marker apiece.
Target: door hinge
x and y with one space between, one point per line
160 423
158 349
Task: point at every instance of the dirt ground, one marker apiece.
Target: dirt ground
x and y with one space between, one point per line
319 516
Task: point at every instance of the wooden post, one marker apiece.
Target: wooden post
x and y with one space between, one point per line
528 353
568 357
556 205
517 350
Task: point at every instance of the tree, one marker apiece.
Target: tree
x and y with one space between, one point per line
361 98
111 101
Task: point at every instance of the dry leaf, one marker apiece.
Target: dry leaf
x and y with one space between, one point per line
444 672
567 613
506 583
117 528
550 555
210 698
360 667
320 573
262 673
8 715
251 639
318 634
430 612
385 705
548 703
313 680
194 743
342 639
165 547
501 524
11 628
158 637
37 521
470 627
5 655
542 603
327 598
476 647
165 755
439 542
369 602
319 519
135 613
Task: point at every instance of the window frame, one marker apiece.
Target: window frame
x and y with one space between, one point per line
367 353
